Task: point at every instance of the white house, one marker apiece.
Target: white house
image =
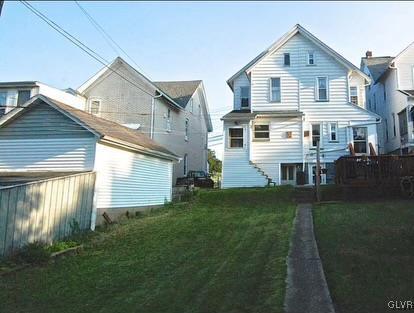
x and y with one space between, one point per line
295 93
391 95
45 138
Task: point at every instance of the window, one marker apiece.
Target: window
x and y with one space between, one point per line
168 121
236 137
386 129
185 164
22 96
95 106
286 59
322 89
245 96
360 139
333 132
191 105
316 134
394 129
402 121
186 129
311 58
385 93
3 98
353 94
261 131
275 89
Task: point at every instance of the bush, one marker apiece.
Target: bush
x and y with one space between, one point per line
33 253
61 245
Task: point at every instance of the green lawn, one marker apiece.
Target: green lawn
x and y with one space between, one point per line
223 252
368 253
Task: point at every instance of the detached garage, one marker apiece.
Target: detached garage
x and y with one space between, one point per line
45 138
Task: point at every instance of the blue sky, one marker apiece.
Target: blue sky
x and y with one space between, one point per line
189 40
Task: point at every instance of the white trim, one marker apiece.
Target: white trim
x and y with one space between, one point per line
187 126
308 59
228 138
357 94
320 134
330 131
89 103
271 91
260 131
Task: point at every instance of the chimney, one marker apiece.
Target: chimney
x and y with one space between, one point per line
368 54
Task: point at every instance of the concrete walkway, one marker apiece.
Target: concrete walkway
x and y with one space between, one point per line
307 290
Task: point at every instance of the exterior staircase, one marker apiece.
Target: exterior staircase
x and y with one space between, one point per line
269 180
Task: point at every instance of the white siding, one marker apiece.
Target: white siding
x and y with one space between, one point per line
129 179
405 64
237 171
60 155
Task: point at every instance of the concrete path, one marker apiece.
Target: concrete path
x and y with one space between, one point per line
307 290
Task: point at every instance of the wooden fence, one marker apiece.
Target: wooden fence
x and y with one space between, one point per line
45 210
373 170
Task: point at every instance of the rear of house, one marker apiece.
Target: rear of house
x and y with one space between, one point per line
45 138
295 94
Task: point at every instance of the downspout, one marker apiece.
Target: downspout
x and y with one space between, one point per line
153 115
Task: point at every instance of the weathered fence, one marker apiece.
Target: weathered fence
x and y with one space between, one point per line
383 169
44 210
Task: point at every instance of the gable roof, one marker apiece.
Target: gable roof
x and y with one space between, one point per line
377 66
105 130
111 68
180 91
279 43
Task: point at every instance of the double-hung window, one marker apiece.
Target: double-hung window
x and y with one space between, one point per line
316 134
3 102
168 121
286 59
333 132
360 139
261 131
275 91
311 58
22 96
186 129
322 89
353 94
236 137
95 106
244 97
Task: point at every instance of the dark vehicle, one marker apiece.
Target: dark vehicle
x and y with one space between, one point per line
197 178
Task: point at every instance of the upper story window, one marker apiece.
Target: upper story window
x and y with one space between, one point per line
261 131
403 123
236 137
22 96
311 58
95 106
353 94
244 97
275 91
316 134
322 89
168 121
385 94
186 128
191 105
286 59
333 132
360 139
394 129
3 98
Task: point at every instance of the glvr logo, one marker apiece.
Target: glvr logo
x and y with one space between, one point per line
401 305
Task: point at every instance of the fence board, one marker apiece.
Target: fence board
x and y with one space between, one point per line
43 210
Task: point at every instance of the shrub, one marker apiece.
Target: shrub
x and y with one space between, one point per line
33 253
61 245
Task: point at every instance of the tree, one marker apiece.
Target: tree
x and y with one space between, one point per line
214 164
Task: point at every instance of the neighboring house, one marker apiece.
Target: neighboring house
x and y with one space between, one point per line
14 94
45 138
391 95
174 114
292 95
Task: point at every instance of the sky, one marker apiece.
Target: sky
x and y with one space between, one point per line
189 40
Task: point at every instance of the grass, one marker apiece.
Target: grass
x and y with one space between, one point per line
223 252
367 251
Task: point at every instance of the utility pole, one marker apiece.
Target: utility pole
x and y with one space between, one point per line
318 172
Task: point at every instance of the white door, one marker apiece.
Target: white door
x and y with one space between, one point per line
288 174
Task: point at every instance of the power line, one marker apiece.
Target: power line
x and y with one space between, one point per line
79 44
111 42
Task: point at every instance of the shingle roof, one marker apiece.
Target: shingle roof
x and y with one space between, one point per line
179 91
377 65
246 114
104 128
238 114
409 93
